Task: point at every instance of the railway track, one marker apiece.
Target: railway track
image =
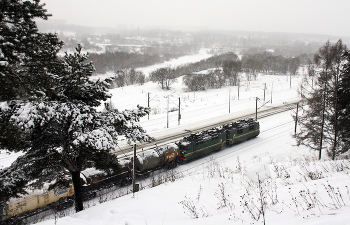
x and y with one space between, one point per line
179 134
191 169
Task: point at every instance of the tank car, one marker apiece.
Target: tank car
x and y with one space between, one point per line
34 201
155 158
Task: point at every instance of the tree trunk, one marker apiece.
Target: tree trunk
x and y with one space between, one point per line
78 197
336 88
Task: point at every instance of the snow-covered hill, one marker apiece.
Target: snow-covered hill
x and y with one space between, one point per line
222 188
204 105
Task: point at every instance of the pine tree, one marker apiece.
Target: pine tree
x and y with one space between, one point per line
28 62
74 84
47 108
26 56
319 125
344 104
68 134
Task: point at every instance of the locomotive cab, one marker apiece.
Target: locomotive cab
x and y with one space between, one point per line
184 149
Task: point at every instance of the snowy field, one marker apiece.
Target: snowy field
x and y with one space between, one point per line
266 177
202 54
221 189
204 105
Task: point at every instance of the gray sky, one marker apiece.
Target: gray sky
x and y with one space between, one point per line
301 16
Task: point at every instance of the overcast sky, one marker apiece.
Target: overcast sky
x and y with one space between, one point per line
329 17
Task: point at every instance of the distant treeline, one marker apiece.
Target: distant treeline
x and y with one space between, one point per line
250 63
121 60
228 69
114 61
268 63
204 64
225 70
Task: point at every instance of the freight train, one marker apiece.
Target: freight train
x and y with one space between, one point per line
165 156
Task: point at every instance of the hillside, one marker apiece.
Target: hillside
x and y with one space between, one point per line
223 188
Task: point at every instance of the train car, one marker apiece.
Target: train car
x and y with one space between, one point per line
34 201
241 130
189 148
93 179
202 143
60 198
156 158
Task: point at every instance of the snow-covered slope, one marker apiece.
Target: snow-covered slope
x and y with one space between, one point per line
223 188
218 189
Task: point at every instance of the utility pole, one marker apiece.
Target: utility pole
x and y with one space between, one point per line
134 189
167 114
148 103
296 119
179 111
271 92
238 89
264 91
256 109
229 101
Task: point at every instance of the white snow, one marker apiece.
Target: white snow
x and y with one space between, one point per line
7 158
297 188
258 172
218 191
203 54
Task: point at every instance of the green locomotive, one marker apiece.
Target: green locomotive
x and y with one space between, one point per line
205 142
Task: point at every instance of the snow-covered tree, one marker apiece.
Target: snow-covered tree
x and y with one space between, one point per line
48 107
73 83
344 104
26 55
164 77
65 133
28 62
320 126
231 70
196 82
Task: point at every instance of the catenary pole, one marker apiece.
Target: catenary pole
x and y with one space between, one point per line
256 109
167 114
229 101
148 103
296 119
271 92
238 90
134 172
179 110
264 91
